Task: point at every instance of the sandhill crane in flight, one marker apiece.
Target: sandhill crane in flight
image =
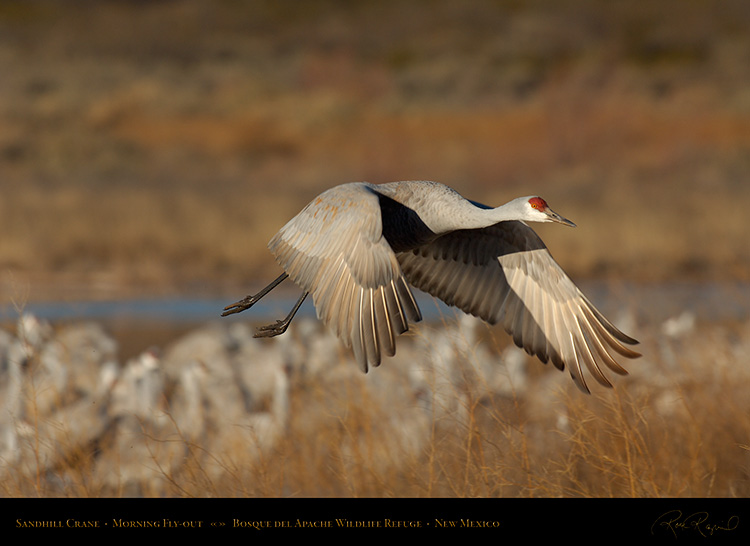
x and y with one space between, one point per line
357 247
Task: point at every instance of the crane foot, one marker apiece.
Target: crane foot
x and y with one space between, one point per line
272 330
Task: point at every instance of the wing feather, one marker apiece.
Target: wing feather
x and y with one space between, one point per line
505 274
335 249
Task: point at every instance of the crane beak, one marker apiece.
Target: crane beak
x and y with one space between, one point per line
554 217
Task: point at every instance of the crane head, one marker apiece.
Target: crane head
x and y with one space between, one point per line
539 211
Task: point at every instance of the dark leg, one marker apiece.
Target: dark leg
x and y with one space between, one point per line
280 326
249 301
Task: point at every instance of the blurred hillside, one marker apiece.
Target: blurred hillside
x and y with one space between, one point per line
152 147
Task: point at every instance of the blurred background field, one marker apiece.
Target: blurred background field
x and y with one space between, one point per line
157 145
149 150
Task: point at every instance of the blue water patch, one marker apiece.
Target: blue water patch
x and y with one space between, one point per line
709 301
180 309
188 310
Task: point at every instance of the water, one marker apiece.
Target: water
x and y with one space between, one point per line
647 302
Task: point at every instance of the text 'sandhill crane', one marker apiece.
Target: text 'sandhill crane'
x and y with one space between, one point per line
357 247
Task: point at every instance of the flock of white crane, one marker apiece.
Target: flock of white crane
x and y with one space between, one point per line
217 405
216 398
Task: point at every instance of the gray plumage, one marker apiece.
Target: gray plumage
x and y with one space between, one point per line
357 247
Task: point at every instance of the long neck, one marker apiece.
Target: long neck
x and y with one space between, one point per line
504 213
464 214
434 209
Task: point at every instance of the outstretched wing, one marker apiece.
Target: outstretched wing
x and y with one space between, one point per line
505 274
335 249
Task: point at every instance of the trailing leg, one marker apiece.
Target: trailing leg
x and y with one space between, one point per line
248 301
280 326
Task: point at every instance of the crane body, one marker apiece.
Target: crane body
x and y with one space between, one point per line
358 247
